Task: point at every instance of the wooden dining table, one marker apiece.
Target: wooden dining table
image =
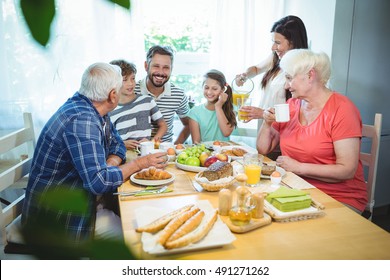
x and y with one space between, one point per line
338 234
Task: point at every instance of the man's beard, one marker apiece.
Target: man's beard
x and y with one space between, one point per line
150 77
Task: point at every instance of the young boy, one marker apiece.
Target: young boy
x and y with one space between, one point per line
134 113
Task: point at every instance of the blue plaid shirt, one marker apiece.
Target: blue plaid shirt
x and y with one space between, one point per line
71 151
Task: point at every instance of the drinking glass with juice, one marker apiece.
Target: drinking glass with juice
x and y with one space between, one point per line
242 115
252 166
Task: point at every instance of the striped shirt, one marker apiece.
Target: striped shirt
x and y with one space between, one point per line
171 101
71 152
133 120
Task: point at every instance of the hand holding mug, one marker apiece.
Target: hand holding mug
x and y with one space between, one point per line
269 115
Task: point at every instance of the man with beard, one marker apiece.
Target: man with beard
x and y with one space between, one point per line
169 98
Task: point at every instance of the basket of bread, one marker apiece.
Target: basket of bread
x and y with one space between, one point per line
216 177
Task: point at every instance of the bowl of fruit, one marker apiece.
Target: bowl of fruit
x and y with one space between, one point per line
197 158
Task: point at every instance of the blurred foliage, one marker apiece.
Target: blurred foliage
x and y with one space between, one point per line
39 15
47 238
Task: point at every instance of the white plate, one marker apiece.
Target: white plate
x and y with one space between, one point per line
279 169
246 148
152 182
218 236
190 168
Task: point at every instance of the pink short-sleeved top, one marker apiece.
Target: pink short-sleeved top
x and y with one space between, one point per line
339 119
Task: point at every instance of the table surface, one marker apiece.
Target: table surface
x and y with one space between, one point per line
339 234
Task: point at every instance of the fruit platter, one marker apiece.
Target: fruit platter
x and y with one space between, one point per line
197 158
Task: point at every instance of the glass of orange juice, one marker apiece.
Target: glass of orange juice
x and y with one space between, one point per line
252 166
244 101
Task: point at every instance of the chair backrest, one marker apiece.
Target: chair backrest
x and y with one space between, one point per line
370 159
21 142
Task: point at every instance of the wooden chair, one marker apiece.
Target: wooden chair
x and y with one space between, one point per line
370 160
13 180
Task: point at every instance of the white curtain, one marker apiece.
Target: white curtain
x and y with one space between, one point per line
39 80
242 38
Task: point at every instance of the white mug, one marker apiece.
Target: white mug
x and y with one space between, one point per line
282 112
145 147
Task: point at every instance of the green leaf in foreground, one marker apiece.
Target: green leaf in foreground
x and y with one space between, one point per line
39 15
123 3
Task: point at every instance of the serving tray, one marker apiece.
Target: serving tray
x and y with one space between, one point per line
253 224
293 216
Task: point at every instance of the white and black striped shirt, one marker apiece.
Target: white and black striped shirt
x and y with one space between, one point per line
172 100
133 120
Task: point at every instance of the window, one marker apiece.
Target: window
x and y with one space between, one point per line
187 28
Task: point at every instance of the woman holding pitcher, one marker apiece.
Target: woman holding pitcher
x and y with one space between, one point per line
287 33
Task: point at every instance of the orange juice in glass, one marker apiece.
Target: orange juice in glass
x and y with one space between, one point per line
243 116
252 166
238 95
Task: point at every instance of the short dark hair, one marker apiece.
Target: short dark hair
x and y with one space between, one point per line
127 68
163 50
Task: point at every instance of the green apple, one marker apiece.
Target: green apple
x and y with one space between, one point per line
193 161
182 157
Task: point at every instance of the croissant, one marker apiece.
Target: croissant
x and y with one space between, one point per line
153 173
238 152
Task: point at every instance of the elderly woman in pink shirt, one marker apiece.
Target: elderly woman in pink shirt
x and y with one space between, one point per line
321 142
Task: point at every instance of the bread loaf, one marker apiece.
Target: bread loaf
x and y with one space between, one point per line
161 222
191 224
195 235
267 169
175 223
218 170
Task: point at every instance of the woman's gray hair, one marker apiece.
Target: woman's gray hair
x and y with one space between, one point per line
99 79
301 61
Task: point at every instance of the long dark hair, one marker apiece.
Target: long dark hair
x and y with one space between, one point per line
293 29
227 107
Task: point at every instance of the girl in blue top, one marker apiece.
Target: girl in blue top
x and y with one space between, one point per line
214 120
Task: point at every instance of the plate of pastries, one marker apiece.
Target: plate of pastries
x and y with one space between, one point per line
152 177
237 152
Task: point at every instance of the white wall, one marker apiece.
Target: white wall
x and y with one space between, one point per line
318 17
